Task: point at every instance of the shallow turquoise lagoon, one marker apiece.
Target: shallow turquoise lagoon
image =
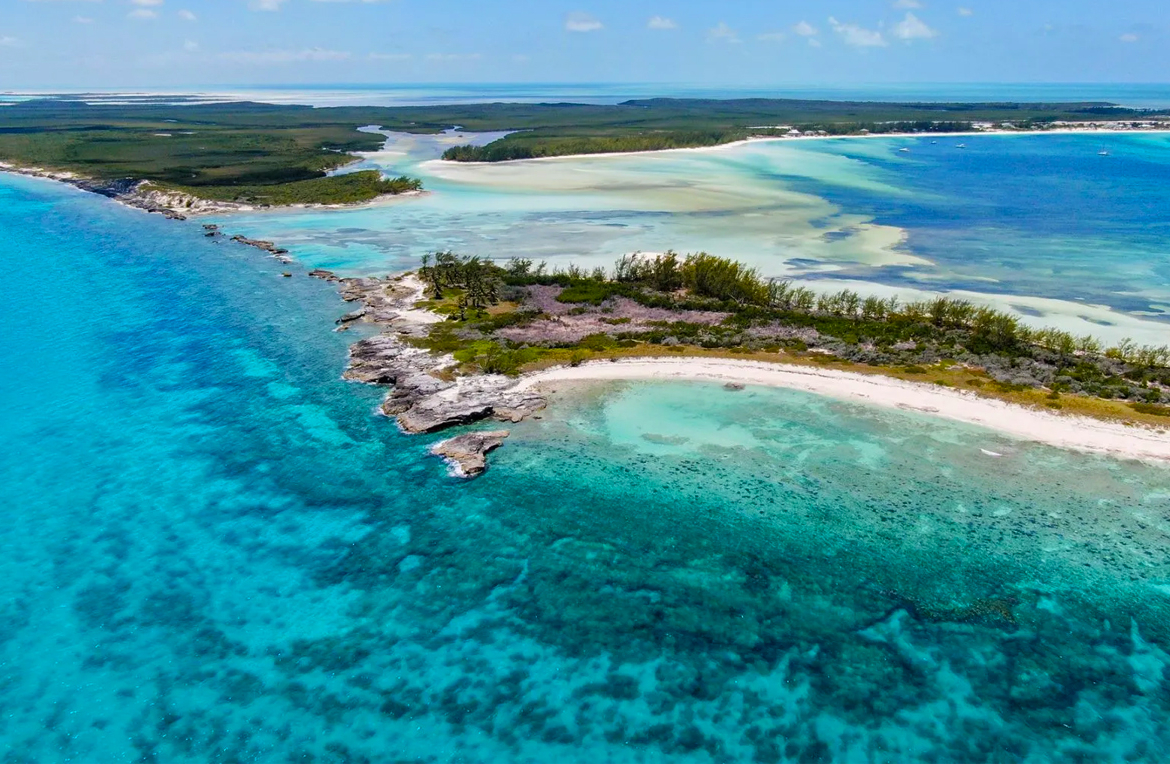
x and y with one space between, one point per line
1039 224
212 550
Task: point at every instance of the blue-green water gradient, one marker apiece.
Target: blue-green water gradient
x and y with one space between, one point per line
1045 225
212 550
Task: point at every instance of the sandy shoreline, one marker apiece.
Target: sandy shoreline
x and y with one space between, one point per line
1069 432
781 139
147 197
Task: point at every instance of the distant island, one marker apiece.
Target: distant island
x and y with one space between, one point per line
552 130
181 155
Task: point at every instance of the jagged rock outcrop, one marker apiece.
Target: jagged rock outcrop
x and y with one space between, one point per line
470 400
426 396
266 246
467 453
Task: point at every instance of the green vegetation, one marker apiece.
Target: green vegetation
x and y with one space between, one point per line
349 188
546 130
472 278
547 144
951 343
619 139
226 152
1151 408
229 151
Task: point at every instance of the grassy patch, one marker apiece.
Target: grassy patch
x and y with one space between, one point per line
1152 409
591 292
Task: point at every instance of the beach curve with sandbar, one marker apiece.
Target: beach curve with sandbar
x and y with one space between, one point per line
1077 433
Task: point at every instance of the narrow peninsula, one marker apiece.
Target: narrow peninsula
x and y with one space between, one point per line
464 340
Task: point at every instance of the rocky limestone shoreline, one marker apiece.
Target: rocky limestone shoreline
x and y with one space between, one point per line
140 194
175 205
467 453
426 394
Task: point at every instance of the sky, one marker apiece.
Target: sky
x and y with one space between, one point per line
201 43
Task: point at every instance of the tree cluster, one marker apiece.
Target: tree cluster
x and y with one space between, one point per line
476 279
740 287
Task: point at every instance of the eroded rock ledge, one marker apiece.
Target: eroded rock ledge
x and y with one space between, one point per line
467 453
426 393
131 192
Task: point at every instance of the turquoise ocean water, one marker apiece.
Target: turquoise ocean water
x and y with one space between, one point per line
1042 225
212 550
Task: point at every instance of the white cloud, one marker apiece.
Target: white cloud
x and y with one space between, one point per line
9 42
805 29
857 36
966 12
582 22
771 37
1129 37
449 57
913 28
143 13
82 20
149 3
285 56
187 15
520 58
814 42
267 5
190 46
660 22
390 56
907 4
723 33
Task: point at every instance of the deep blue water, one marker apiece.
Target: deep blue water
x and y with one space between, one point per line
1032 215
213 551
1041 224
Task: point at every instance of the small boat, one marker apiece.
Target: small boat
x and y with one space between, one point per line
933 143
961 146
904 151
1103 153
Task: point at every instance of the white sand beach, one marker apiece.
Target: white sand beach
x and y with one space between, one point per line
1071 432
435 163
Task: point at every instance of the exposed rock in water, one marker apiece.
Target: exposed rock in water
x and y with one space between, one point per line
426 396
352 316
469 400
467 453
733 386
267 246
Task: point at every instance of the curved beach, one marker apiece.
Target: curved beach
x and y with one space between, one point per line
1071 432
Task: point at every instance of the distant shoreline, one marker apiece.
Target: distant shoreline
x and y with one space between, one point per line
784 139
176 205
